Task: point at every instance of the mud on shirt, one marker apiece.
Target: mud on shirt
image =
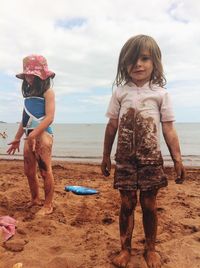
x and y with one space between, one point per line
140 111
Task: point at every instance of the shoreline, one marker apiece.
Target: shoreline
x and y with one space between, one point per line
87 161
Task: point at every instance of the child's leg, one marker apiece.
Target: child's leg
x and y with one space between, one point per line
30 170
150 221
126 225
43 155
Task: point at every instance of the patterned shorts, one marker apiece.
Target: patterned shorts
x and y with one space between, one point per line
143 177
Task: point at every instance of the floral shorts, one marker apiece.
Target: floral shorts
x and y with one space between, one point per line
131 176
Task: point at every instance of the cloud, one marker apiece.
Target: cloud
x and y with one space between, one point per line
71 23
82 41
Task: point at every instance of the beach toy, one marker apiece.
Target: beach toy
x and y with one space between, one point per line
80 190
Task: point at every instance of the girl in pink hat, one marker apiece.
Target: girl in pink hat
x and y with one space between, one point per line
38 114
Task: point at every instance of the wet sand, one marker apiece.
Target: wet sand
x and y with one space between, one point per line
83 230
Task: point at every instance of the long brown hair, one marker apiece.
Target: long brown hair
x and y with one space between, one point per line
38 87
130 53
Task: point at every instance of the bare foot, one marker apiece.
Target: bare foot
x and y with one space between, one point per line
122 259
153 259
45 211
33 203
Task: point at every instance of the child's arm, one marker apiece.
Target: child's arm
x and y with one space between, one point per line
110 133
16 142
172 142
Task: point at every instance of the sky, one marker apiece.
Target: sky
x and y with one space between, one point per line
82 39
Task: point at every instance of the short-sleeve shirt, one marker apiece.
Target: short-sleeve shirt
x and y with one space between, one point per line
140 111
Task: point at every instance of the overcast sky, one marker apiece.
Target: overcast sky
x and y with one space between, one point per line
81 40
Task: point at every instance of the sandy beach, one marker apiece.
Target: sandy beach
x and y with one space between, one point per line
83 230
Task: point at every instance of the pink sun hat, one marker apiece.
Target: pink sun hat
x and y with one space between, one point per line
35 65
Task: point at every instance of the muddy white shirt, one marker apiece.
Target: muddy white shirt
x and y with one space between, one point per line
140 111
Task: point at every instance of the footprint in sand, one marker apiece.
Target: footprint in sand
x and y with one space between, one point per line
21 231
191 228
28 217
107 220
160 209
4 202
5 186
56 250
15 245
60 217
61 263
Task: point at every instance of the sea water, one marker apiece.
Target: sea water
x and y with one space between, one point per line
84 142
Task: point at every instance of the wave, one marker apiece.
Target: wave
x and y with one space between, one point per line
188 160
189 156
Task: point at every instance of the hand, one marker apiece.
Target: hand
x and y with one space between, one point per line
31 142
180 172
106 166
14 146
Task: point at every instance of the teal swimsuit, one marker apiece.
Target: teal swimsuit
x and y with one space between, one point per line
33 114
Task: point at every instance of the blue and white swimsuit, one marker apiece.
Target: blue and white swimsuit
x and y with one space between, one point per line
33 114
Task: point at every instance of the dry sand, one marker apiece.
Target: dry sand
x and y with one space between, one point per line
83 230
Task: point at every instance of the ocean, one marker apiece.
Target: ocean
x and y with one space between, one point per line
84 142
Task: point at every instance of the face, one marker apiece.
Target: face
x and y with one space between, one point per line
29 78
141 72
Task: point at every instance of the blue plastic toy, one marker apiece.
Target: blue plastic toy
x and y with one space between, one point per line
80 190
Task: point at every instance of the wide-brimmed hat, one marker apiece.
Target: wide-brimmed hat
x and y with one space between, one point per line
35 65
